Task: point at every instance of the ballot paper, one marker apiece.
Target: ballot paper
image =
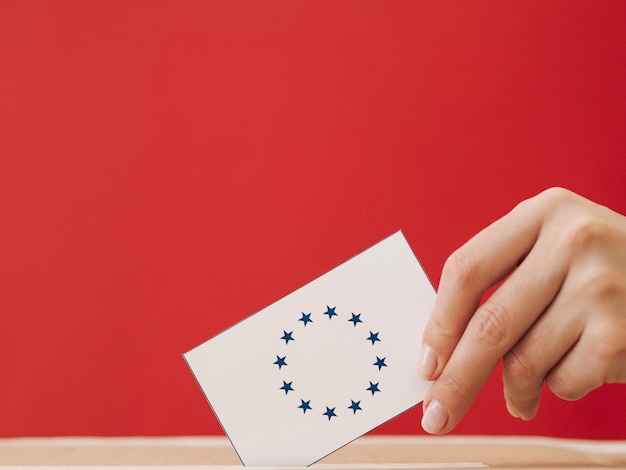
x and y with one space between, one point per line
323 365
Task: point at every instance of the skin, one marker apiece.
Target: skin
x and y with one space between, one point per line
558 318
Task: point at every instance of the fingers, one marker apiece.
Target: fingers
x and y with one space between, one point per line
492 331
576 343
577 373
471 270
599 356
526 365
559 317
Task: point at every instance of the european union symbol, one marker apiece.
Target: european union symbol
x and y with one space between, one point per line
317 367
323 365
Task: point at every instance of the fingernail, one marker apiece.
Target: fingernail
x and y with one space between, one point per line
435 418
512 412
428 362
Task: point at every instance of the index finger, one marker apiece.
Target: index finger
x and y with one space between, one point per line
479 264
468 343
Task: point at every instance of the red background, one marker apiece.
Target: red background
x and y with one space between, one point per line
168 168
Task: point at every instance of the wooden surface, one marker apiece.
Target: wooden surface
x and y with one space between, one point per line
368 452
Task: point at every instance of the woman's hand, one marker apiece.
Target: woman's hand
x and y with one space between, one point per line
559 317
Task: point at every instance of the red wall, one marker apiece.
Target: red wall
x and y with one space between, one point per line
169 168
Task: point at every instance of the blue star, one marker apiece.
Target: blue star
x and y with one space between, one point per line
379 362
330 312
280 361
330 412
356 319
373 388
305 405
355 406
287 337
306 318
373 337
287 387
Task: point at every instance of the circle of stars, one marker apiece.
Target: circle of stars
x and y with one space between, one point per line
355 405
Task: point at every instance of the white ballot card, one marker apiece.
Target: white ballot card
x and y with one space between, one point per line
323 365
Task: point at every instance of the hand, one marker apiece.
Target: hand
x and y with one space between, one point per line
559 317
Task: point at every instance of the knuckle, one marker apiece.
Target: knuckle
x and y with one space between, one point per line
490 325
453 385
519 367
440 331
560 386
617 366
586 235
603 288
551 200
459 269
608 335
555 196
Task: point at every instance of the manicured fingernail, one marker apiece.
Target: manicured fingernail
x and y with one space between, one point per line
435 418
428 362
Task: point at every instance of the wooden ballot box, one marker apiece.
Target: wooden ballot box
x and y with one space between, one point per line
368 452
